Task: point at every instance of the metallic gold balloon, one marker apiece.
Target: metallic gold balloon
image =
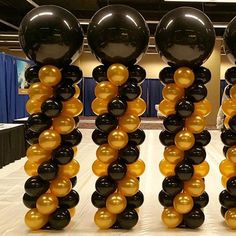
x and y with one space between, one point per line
31 168
166 168
229 107
35 220
184 77
37 154
172 92
47 203
173 155
106 90
33 106
137 106
72 211
60 186
171 218
77 91
167 108
49 75
63 124
195 123
128 186
116 203
118 139
136 169
230 218
202 169
104 219
99 106
99 168
106 154
117 74
202 108
233 93
231 154
184 140
70 169
183 203
194 187
226 122
75 149
39 91
227 168
73 107
224 180
49 139
129 122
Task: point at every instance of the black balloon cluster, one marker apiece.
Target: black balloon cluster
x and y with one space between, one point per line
118 36
185 39
51 37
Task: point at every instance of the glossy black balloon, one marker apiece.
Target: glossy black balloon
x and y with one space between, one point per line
38 122
166 75
172 185
117 106
225 149
127 219
98 200
105 185
118 34
137 137
59 219
228 137
227 90
231 186
117 170
99 137
31 74
129 154
196 155
166 138
202 74
184 108
184 171
185 37
130 91
100 73
201 201
232 123
73 181
203 138
173 123
194 219
64 91
63 155
29 201
35 186
70 200
47 39
227 200
51 107
48 170
230 75
72 139
196 92
136 200
137 74
31 137
165 199
72 74
76 119
106 122
223 210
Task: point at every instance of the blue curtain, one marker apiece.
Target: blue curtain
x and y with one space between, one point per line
144 96
223 84
89 86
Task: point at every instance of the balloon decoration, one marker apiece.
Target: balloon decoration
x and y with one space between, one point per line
118 107
51 37
185 39
227 167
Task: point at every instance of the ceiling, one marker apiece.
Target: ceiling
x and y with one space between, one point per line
12 12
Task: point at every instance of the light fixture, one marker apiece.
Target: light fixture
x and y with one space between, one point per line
210 1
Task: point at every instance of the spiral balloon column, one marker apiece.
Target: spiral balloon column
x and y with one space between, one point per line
228 136
185 107
118 106
54 108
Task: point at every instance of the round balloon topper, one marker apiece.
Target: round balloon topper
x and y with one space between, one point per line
118 34
185 37
51 35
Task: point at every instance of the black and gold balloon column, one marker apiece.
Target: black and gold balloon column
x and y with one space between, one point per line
227 167
185 39
118 36
51 37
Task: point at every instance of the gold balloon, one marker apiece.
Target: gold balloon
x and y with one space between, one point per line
70 169
184 77
202 108
99 168
47 203
172 92
230 218
229 107
129 122
75 149
166 168
226 122
184 140
136 169
105 153
73 107
117 74
77 91
233 93
35 220
195 186
231 154
167 108
49 139
60 186
106 90
49 75
118 139
128 186
33 106
116 203
39 91
224 180
63 124
137 106
104 219
72 211
99 106
37 154
183 203
195 123
171 218
227 168
31 168
173 155
202 169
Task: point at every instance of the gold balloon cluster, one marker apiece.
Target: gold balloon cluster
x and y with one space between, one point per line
50 139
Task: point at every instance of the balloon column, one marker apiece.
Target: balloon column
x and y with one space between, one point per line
185 39
51 37
228 136
118 36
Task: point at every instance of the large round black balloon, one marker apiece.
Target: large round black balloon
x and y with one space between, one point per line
172 185
72 73
127 219
194 219
73 181
98 200
137 74
225 149
47 170
184 108
117 170
63 155
117 106
173 123
51 107
137 137
232 123
202 74
72 139
59 219
70 200
223 210
136 200
228 137
196 92
231 186
38 122
166 75
230 75
31 74
130 91
118 34
185 37
106 122
202 138
165 199
196 155
31 137
105 185
99 137
51 35
129 154
227 200
64 91
201 201
184 171
100 73
166 138
29 201
227 90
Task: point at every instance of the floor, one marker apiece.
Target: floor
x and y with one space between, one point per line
12 180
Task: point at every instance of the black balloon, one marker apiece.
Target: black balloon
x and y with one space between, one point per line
105 185
166 138
165 199
230 75
76 119
117 170
59 219
232 123
106 122
225 149
47 39
136 200
223 210
72 139
31 74
173 123
196 155
73 181
202 74
227 200
194 219
196 92
29 201
98 200
72 74
64 91
38 122
201 201
202 138
118 34
231 186
184 108
166 75
47 170
172 185
63 155
185 37
70 200
31 137
184 171
228 138
137 137
100 73
51 107
127 219
137 74
99 137
117 106
129 154
227 90
130 91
